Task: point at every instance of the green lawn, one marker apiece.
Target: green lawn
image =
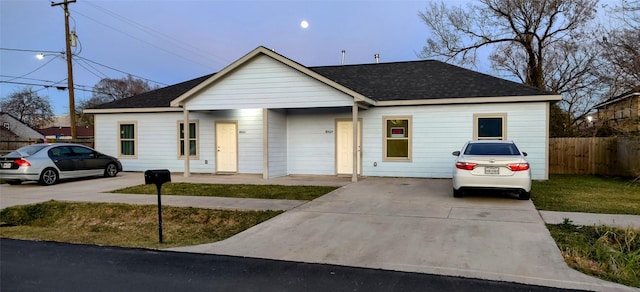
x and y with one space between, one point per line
590 194
125 225
233 190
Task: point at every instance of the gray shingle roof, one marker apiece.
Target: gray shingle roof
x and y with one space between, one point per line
160 97
414 80
427 79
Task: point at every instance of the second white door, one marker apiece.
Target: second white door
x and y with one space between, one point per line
344 147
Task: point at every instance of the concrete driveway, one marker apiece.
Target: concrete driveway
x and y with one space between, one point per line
414 225
403 224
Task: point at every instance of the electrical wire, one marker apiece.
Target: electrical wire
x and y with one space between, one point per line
184 45
114 69
41 66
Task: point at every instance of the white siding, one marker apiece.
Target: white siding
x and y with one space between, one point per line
266 83
277 129
157 142
442 129
311 140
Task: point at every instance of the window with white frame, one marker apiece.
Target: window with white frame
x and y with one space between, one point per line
127 139
490 126
397 138
192 139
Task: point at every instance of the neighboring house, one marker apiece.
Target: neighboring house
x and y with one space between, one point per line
266 114
14 129
621 112
64 133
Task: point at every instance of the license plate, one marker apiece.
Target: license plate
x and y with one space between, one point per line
491 170
6 165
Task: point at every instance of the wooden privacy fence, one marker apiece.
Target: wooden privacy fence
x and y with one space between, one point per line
601 156
9 144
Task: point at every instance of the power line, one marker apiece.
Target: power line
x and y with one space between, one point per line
114 69
45 64
184 45
143 41
31 51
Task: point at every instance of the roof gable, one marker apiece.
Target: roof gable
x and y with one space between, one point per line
269 53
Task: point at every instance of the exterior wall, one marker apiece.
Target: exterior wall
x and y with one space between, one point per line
311 140
157 140
442 129
437 131
302 141
266 83
277 140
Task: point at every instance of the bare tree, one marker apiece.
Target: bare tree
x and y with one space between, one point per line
110 89
28 107
543 43
619 47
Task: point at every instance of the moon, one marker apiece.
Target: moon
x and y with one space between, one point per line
304 24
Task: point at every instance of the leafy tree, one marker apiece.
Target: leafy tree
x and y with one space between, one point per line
28 107
543 43
111 89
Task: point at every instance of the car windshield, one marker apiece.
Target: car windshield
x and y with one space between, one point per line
491 149
26 150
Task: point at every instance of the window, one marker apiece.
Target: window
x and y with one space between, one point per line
127 139
397 138
489 126
192 138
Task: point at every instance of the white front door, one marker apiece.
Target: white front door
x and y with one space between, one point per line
226 147
344 147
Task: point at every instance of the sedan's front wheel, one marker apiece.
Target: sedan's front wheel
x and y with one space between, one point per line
48 177
111 170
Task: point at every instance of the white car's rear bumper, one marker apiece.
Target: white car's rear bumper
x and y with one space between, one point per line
520 180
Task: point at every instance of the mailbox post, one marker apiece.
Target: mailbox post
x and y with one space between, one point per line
158 177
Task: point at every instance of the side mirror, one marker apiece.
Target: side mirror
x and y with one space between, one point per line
455 153
524 153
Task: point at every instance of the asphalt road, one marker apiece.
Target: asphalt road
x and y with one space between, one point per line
52 266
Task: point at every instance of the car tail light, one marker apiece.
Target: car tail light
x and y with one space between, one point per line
21 162
466 165
518 166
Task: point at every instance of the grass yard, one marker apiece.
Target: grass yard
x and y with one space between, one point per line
590 194
611 254
125 225
233 190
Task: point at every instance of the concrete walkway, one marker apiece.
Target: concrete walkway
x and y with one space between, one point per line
401 224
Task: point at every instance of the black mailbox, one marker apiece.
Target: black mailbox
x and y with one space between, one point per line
157 176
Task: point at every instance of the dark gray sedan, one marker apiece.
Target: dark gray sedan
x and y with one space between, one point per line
49 163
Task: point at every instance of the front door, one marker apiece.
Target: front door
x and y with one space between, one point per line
344 147
226 147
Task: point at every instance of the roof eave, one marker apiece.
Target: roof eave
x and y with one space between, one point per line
132 110
471 100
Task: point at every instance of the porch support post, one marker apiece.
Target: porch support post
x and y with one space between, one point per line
187 150
354 115
265 143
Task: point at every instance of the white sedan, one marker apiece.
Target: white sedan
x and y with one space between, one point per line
491 164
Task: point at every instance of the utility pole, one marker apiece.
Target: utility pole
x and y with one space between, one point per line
72 106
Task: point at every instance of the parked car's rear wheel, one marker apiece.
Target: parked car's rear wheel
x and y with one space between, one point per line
14 182
524 195
48 177
457 193
111 170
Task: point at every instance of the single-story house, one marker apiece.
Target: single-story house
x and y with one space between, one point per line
64 133
267 114
14 129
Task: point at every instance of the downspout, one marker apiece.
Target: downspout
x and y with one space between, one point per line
354 111
187 144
